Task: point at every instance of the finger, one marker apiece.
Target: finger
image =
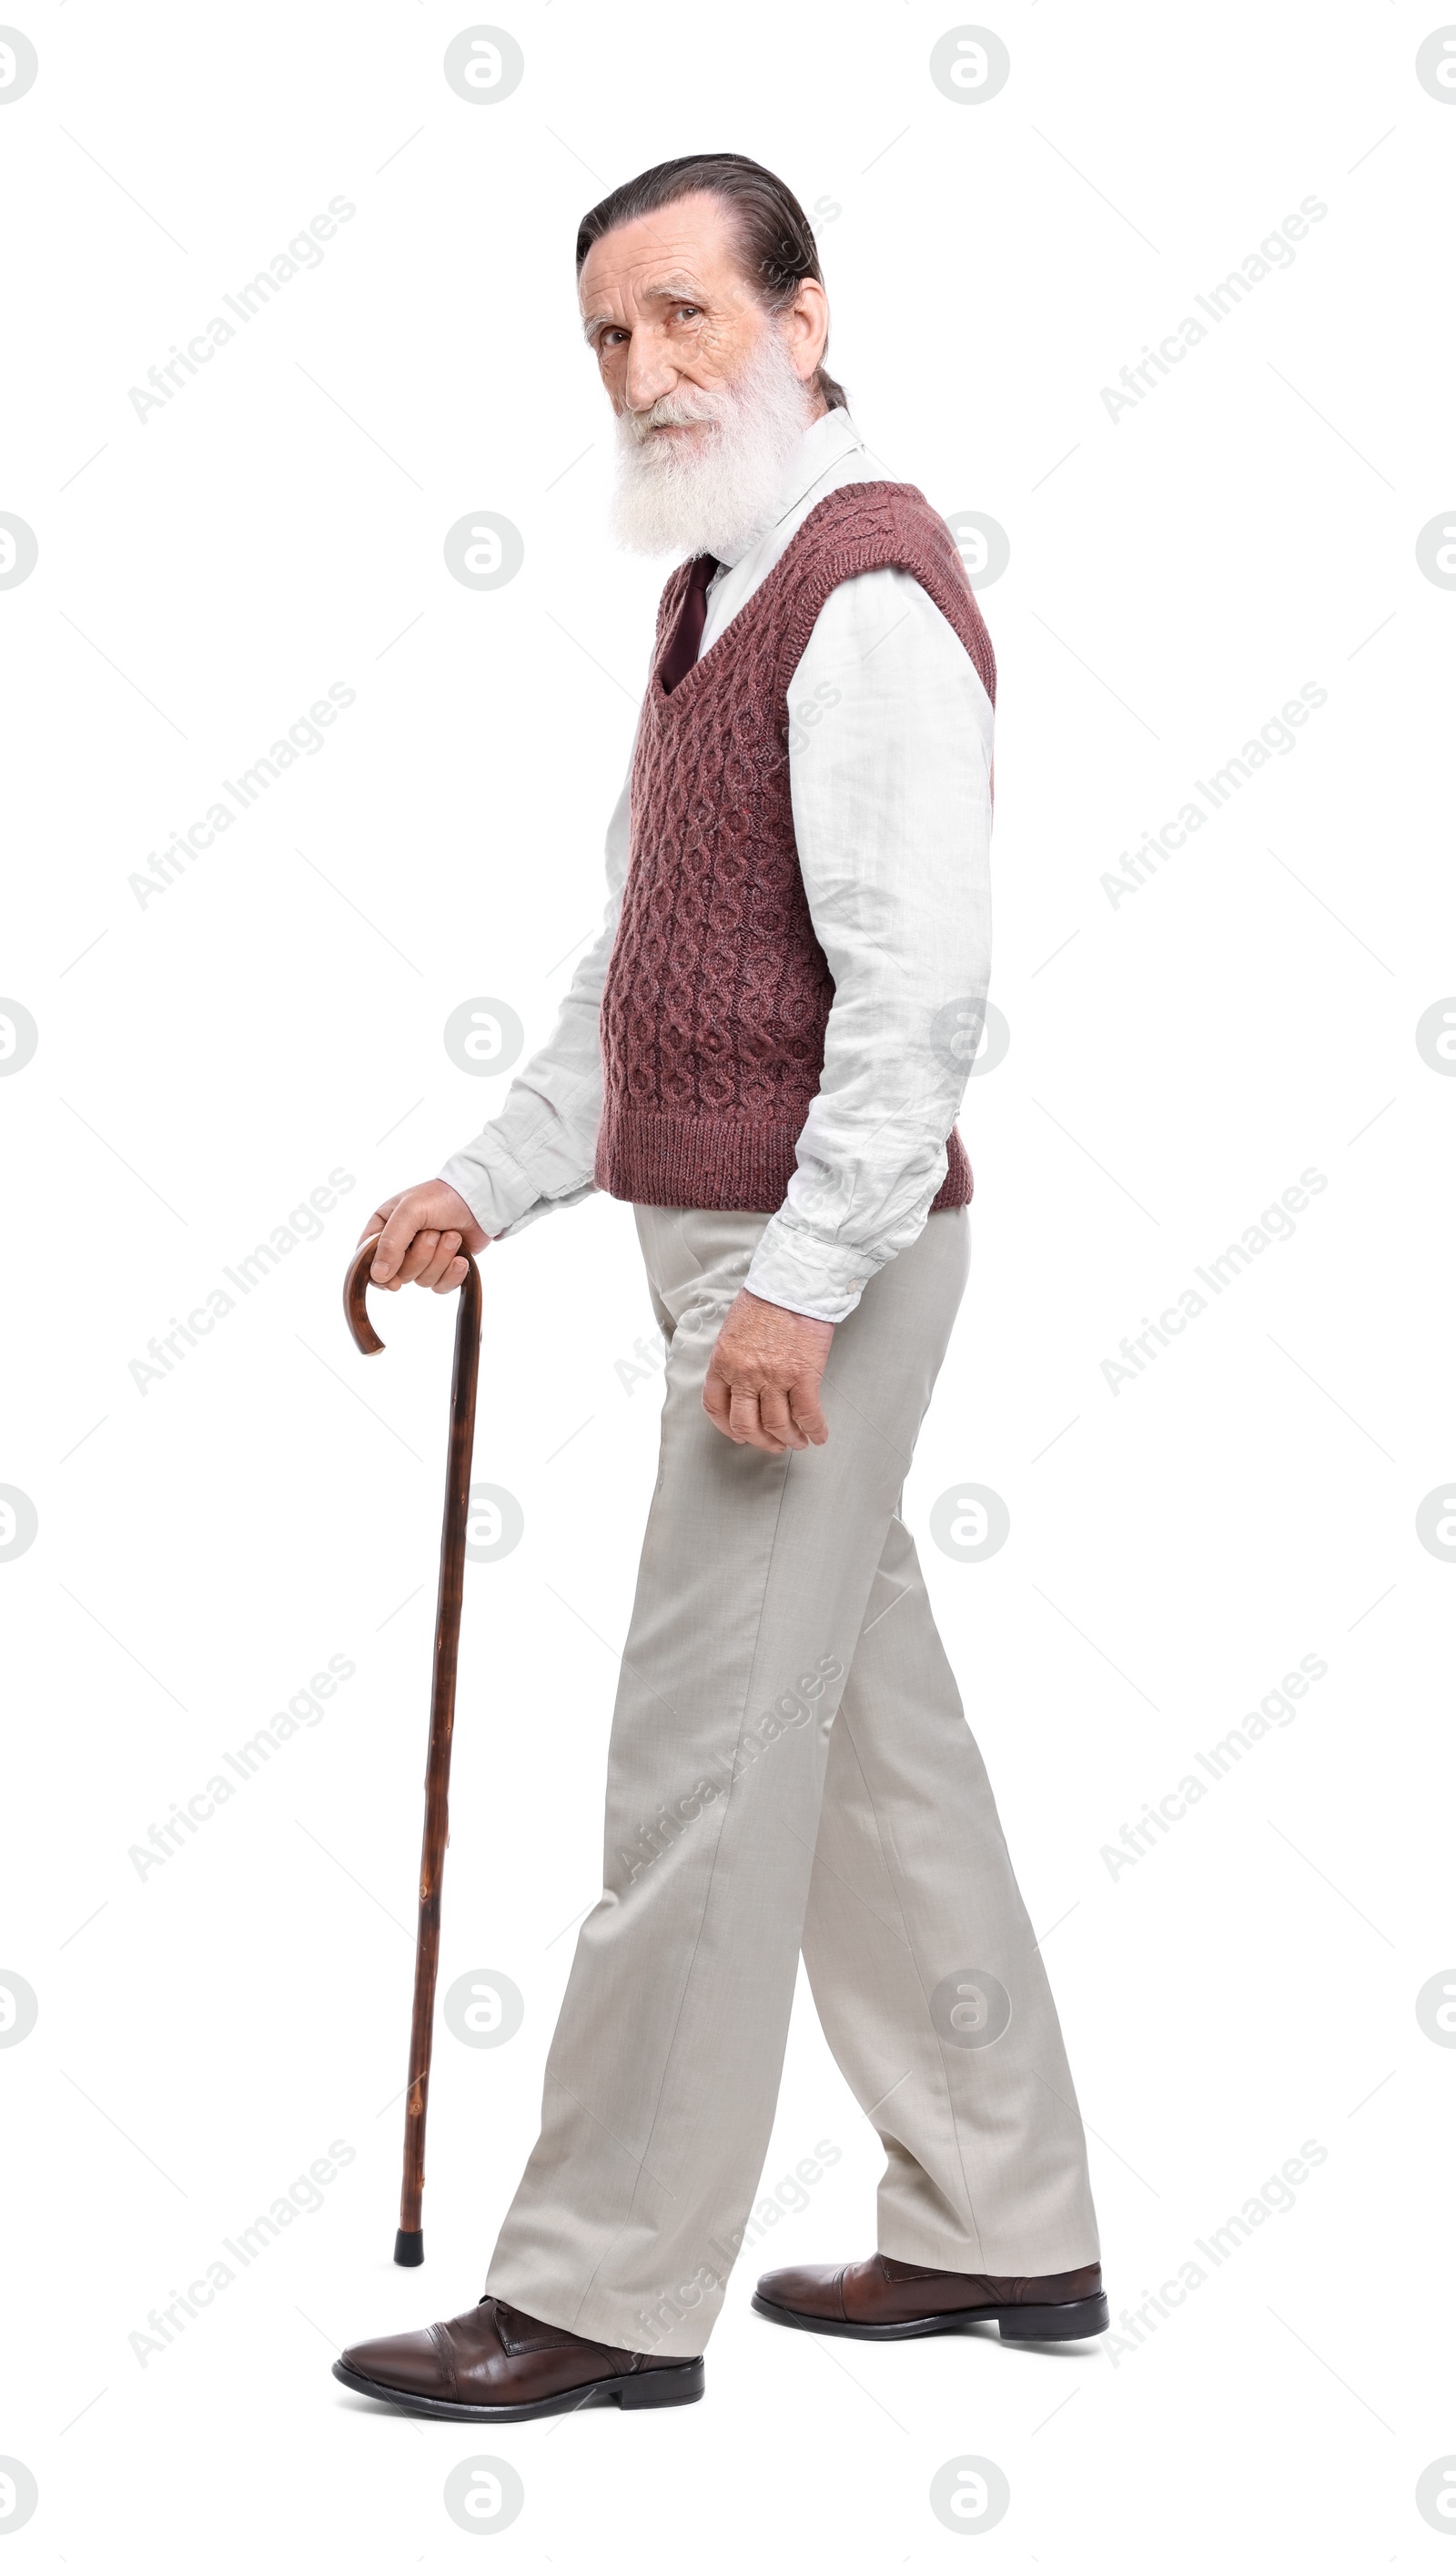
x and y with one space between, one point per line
743 1417
715 1402
419 1257
759 1439
807 1413
454 1274
374 1227
777 1421
398 1234
448 1246
715 1398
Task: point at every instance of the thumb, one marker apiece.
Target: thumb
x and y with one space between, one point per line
373 1225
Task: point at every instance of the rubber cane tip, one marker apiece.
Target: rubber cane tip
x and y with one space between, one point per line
409 2250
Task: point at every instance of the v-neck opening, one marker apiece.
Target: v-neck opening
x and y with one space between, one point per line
762 590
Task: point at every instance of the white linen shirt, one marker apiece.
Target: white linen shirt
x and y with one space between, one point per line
890 748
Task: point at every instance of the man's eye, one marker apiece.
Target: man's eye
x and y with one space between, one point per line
693 310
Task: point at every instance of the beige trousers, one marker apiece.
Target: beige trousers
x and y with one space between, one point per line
791 1767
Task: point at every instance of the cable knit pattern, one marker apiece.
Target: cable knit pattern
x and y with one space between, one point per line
715 1004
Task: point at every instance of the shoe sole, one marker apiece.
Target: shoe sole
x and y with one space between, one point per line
1080 2320
652 2392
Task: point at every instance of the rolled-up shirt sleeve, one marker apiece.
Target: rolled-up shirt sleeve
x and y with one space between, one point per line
537 1154
891 751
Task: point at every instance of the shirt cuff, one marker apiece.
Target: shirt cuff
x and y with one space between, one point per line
796 1270
500 1193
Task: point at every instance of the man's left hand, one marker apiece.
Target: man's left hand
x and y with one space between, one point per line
764 1377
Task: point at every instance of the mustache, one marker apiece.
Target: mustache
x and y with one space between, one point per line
673 409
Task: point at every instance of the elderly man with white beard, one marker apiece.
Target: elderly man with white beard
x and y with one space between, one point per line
765 1053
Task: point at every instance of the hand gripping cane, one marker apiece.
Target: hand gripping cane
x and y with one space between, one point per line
409 2240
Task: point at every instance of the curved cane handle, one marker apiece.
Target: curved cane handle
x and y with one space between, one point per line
356 1282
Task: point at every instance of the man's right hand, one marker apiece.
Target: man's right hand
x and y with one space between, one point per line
420 1234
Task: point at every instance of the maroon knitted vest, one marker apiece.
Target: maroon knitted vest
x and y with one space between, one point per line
717 994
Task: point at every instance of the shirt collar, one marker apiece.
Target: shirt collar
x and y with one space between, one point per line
819 448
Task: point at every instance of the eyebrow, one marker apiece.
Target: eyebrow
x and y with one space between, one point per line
672 288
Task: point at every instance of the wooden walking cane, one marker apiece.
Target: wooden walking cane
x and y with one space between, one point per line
409 2240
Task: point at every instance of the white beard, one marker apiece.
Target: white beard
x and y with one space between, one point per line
710 492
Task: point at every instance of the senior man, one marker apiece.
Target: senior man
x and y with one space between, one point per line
765 1053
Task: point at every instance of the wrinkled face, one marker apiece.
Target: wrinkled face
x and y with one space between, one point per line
711 391
673 320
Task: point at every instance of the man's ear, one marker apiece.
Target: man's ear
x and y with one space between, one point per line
810 309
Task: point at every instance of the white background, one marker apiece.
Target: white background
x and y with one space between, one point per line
206 1060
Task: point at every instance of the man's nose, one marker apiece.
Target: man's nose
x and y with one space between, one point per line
651 373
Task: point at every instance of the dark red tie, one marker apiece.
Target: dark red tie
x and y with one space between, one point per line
681 650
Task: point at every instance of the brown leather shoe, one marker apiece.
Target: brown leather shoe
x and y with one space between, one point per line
882 2298
494 2363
